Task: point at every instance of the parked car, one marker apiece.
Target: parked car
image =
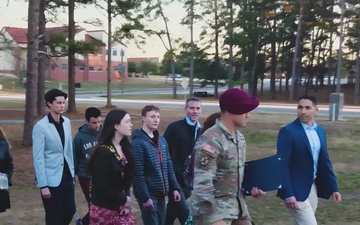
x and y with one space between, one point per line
178 77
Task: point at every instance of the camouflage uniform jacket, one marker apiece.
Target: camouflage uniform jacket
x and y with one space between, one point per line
218 174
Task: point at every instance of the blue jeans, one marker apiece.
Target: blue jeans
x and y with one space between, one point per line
178 210
60 208
155 216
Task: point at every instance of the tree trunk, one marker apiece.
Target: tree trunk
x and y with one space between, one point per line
31 71
42 60
339 65
253 83
192 49
242 70
296 55
330 66
108 85
71 58
172 61
273 64
172 65
330 61
254 75
217 60
231 31
357 75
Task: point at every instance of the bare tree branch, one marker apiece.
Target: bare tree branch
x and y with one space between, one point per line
48 56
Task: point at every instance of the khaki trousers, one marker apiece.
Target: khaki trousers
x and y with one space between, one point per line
237 222
199 221
305 213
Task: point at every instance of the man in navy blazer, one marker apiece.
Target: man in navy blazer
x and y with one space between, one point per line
54 161
308 172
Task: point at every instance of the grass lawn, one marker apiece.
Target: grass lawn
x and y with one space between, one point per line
260 133
8 104
137 97
131 84
156 97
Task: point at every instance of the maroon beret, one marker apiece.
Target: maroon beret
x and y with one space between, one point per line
237 101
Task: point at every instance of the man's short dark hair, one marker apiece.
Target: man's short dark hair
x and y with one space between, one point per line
92 112
52 94
192 99
309 97
149 108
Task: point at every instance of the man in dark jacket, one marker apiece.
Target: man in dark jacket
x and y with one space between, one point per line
155 177
181 136
84 140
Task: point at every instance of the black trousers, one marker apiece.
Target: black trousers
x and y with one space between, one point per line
60 208
4 200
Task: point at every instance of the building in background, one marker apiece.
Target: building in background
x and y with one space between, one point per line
90 67
138 60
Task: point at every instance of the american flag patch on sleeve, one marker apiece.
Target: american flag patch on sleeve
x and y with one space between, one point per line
208 149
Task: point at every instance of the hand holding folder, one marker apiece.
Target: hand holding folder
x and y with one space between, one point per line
264 174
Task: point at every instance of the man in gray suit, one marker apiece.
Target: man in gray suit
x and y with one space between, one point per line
54 161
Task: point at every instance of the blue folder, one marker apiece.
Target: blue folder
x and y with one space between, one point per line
263 173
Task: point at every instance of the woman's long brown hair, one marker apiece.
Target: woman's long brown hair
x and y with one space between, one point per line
209 122
108 131
4 137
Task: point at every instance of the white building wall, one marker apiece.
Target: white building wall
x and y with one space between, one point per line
115 49
23 58
98 34
7 57
6 60
80 36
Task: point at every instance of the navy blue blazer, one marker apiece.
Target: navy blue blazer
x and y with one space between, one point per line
294 146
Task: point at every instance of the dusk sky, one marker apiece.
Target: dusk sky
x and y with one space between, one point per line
15 15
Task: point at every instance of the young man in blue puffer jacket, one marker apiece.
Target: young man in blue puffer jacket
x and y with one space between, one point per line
155 176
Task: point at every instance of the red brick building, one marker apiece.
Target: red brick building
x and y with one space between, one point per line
90 67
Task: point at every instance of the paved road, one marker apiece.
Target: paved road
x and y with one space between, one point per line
178 104
214 106
179 91
96 99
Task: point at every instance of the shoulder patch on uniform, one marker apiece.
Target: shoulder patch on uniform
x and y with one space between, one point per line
202 138
204 160
208 149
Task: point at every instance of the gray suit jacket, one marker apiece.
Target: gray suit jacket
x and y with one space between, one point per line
49 154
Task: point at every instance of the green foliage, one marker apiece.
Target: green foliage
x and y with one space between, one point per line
59 46
166 64
137 26
201 62
147 67
241 82
353 30
132 67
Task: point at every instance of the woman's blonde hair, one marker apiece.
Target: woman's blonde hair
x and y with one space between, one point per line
3 136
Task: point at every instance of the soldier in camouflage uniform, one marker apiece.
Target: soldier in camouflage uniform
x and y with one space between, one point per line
220 155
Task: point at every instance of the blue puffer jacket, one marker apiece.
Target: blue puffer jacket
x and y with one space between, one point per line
154 171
